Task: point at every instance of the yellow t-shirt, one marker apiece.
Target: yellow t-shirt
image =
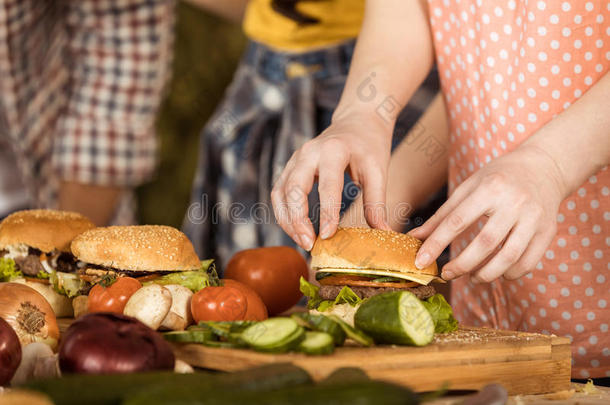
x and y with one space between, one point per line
339 20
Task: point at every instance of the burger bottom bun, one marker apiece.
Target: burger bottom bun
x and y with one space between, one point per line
62 306
344 311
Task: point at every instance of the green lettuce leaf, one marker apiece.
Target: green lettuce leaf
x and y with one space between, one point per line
441 313
194 280
68 284
43 275
8 270
312 292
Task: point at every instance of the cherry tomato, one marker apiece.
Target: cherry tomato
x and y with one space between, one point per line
273 272
257 311
219 304
113 298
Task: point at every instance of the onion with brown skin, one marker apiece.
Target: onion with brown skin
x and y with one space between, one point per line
10 352
108 343
29 313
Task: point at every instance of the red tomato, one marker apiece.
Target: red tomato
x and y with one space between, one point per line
219 304
113 298
273 272
257 311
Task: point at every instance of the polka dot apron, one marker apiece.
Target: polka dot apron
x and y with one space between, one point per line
508 67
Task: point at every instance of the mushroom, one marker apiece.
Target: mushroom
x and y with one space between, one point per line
183 367
179 315
150 305
80 305
37 361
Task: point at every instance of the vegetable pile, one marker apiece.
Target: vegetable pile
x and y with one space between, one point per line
392 318
439 309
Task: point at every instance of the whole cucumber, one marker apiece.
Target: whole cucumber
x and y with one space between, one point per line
347 393
395 318
115 388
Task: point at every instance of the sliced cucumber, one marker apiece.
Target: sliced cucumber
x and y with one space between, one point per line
352 333
322 323
226 329
316 343
274 335
189 336
224 345
299 318
395 318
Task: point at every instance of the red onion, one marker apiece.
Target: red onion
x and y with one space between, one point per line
107 343
10 352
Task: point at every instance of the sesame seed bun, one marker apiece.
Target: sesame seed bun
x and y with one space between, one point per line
364 248
45 230
143 248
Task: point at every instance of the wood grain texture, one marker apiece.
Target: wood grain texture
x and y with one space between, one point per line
524 363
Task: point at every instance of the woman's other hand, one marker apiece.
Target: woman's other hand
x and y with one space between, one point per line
520 194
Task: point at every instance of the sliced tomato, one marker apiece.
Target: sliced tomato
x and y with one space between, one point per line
361 281
149 277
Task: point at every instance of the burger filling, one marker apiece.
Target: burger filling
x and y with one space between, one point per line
365 286
90 274
330 292
22 261
342 293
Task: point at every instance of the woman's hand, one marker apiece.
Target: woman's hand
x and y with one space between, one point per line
356 142
520 194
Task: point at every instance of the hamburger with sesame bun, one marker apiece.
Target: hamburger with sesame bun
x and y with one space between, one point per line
148 253
358 263
35 248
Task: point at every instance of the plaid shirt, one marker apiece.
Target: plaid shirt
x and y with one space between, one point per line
80 83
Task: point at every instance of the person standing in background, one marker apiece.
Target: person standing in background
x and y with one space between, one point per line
527 88
283 93
80 84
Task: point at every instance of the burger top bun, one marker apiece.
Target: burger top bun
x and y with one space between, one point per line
45 230
137 248
365 248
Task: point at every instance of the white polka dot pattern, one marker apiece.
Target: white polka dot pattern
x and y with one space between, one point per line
507 68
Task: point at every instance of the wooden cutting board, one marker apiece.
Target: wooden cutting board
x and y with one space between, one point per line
524 363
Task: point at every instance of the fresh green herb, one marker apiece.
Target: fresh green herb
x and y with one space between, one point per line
441 313
387 280
322 274
8 270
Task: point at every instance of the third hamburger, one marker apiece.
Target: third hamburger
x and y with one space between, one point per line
358 263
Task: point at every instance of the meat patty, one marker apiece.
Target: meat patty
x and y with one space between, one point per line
66 263
29 265
330 292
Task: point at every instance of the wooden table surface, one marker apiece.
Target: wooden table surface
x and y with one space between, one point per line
575 396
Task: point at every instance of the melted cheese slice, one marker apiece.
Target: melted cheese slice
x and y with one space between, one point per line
424 279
